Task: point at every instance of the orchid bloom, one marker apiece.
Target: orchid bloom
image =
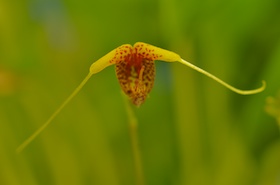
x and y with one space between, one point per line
135 70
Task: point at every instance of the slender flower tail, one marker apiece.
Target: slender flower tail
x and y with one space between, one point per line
239 91
35 134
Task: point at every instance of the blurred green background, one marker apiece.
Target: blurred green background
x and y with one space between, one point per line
192 131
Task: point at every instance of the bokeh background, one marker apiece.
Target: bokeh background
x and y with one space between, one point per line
192 131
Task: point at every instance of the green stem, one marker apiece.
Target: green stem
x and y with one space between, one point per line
133 125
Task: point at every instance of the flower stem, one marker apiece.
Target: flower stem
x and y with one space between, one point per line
133 126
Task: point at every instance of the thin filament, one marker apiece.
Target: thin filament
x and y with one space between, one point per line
239 91
35 134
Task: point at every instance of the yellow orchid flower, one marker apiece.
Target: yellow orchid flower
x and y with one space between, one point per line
135 70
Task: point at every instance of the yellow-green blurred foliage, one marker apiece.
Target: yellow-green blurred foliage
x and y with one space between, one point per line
192 131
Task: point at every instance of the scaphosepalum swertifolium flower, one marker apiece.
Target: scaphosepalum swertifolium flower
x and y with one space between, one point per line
135 71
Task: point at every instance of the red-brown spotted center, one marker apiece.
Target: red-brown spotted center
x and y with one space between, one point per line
136 75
